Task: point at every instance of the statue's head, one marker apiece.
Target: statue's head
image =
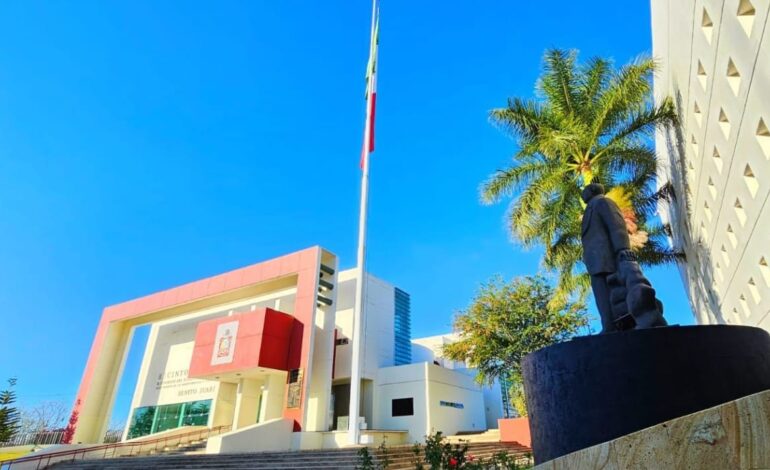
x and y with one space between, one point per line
591 191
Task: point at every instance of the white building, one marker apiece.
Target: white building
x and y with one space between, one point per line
265 352
715 63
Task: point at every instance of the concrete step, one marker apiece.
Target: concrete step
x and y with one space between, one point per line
491 435
254 465
400 457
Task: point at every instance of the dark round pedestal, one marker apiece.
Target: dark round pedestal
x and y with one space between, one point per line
597 388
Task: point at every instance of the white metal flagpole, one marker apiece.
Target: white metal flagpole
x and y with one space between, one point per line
355 373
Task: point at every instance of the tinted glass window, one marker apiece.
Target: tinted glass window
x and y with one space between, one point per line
403 407
151 419
141 422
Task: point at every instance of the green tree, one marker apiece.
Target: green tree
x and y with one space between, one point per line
516 394
588 122
9 415
508 320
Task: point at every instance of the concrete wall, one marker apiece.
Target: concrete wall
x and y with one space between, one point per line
493 404
452 386
339 439
407 381
715 64
515 430
379 348
429 350
428 385
319 371
273 435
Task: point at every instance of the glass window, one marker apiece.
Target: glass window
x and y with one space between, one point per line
141 422
403 407
151 419
196 413
451 404
168 417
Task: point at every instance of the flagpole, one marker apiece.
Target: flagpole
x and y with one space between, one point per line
355 373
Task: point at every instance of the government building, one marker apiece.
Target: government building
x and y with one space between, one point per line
714 58
265 352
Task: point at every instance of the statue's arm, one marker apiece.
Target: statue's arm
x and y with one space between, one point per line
616 225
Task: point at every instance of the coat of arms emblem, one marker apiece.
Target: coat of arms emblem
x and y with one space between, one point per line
225 343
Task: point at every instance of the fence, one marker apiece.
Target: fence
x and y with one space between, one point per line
42 438
138 447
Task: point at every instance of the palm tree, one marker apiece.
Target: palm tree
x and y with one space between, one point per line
589 122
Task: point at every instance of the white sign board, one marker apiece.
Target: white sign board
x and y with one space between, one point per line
224 343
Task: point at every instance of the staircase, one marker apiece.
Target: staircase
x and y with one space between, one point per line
491 435
402 457
191 448
399 457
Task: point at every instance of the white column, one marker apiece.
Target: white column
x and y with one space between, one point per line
247 403
272 397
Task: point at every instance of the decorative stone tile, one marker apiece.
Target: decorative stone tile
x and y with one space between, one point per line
734 435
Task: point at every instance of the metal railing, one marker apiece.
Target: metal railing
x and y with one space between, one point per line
119 449
52 437
35 438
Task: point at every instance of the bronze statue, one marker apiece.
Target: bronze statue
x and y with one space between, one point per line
624 297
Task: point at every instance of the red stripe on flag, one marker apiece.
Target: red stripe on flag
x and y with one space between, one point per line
372 107
372 103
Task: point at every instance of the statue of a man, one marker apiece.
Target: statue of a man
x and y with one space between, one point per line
624 297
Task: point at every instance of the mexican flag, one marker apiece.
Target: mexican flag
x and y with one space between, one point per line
371 89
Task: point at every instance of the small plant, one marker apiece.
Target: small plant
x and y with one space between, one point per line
455 455
442 455
434 450
383 454
416 459
365 459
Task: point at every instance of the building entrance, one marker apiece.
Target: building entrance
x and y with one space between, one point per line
151 419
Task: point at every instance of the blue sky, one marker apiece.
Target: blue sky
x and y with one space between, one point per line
147 144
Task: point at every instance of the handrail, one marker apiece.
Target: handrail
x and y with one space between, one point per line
117 445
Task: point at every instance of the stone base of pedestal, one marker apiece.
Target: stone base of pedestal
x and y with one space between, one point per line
734 435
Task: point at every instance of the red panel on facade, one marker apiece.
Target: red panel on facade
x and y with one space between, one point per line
259 339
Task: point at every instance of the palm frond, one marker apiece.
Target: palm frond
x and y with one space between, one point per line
656 252
648 204
505 182
522 118
593 78
628 90
558 80
643 122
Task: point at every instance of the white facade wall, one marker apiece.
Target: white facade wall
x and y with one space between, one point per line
428 350
163 373
715 64
378 347
319 371
453 386
407 381
428 385
170 346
